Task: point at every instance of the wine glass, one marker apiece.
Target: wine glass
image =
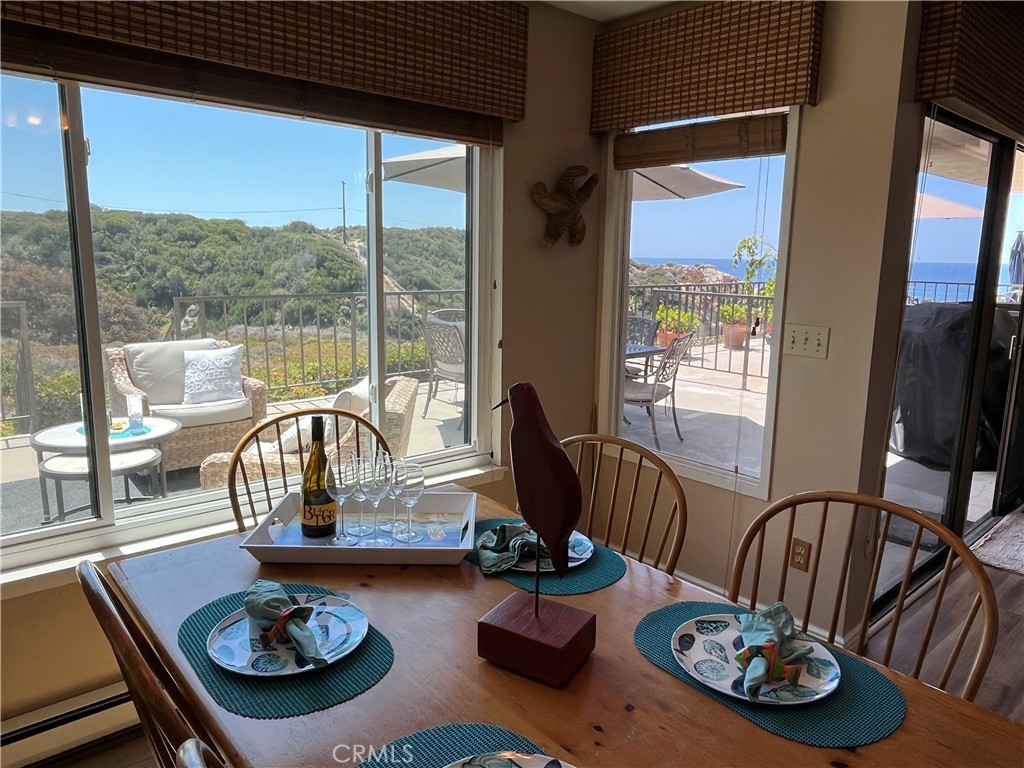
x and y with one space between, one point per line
341 485
411 490
352 471
397 473
374 479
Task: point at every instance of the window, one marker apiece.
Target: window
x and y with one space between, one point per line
204 226
700 309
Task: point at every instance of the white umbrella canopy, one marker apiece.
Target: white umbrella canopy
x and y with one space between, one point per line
445 168
669 182
932 207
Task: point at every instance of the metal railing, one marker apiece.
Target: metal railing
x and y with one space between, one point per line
298 343
18 388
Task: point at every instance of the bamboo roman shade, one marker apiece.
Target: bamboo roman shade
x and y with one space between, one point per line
455 58
714 59
972 55
701 142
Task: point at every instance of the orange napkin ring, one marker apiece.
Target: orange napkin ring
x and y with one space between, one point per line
279 632
777 669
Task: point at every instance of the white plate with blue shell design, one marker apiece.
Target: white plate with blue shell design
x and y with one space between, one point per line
581 549
706 648
339 626
509 760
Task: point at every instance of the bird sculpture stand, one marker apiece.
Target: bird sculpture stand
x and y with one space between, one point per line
540 639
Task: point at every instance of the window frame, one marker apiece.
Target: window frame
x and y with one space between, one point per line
615 298
203 509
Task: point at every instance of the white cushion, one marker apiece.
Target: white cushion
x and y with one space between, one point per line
202 414
356 398
290 437
212 375
158 367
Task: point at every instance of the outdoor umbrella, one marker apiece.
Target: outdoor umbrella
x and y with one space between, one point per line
932 207
1017 260
445 168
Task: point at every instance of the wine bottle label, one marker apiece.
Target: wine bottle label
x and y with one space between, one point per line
319 514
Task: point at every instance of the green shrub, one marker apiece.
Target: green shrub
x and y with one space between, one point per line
674 320
732 313
57 399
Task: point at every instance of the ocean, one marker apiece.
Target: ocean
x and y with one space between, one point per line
923 271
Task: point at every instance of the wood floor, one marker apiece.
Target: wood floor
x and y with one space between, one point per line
1002 690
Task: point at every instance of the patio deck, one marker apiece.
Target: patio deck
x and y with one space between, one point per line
716 415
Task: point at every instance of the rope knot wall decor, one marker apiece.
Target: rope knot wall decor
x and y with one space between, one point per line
563 205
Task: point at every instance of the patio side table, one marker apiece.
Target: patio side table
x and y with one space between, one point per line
68 440
62 467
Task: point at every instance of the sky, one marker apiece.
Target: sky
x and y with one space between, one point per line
161 155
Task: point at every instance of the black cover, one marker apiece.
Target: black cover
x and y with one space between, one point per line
929 385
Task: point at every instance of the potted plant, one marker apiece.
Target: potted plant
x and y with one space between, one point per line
671 323
759 260
733 318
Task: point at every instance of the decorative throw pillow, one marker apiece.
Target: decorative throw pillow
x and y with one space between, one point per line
356 398
291 436
213 374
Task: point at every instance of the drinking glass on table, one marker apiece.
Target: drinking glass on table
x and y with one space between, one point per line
374 479
340 485
397 474
352 470
412 489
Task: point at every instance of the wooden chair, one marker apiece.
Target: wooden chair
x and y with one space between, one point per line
166 719
617 494
831 506
195 754
277 449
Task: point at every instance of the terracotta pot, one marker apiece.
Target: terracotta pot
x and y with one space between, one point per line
734 335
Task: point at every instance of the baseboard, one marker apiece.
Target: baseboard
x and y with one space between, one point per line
44 733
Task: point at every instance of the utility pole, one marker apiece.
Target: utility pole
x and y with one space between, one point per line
344 223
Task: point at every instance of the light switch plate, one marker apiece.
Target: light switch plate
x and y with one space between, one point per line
806 340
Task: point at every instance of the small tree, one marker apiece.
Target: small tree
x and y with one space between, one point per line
759 260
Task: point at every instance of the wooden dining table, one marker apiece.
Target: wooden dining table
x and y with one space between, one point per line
619 710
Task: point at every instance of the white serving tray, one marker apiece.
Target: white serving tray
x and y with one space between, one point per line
448 536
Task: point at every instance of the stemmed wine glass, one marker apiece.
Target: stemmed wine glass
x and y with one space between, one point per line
374 479
395 467
340 485
411 490
352 472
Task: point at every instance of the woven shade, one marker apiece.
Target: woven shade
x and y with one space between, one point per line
701 142
971 54
460 55
714 59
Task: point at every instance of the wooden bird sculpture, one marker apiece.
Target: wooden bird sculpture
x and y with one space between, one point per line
563 205
546 484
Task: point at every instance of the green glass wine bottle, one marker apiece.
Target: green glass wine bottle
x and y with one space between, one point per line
319 510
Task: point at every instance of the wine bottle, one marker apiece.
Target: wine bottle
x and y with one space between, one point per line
319 510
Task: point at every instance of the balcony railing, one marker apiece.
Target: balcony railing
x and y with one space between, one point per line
304 344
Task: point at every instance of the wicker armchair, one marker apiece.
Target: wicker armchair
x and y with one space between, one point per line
204 433
399 407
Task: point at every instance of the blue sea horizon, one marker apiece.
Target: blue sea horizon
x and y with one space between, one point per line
922 271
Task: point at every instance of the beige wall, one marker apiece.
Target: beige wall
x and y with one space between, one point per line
844 247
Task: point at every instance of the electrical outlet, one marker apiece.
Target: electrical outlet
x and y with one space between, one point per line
806 340
800 555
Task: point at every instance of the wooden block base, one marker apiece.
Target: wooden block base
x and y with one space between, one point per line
549 648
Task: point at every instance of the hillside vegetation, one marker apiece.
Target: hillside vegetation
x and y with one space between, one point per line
143 261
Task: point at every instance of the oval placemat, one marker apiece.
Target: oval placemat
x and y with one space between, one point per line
278 697
867 706
442 745
604 568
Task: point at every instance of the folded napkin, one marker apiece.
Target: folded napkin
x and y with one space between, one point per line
770 649
501 548
270 607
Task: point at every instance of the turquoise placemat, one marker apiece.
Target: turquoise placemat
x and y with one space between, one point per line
272 698
603 568
866 706
441 746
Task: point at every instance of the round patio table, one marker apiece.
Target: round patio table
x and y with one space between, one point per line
68 440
